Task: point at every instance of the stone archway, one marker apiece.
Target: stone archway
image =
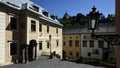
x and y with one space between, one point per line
32 50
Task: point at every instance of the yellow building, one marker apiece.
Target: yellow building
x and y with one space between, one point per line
27 31
71 46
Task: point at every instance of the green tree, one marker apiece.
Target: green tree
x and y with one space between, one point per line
81 19
110 18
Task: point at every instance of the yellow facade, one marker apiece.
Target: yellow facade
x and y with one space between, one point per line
23 34
72 50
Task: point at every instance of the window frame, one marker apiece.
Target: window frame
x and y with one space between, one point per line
56 30
57 43
64 43
40 46
85 44
40 27
77 43
17 22
91 43
89 54
48 28
10 48
35 8
70 43
101 45
33 26
77 54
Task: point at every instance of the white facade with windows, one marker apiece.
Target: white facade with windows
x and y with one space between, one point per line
90 48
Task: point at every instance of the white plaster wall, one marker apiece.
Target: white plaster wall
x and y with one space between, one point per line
85 50
2 37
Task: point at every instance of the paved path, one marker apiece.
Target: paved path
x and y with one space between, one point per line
49 63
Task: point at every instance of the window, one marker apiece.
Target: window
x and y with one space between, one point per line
33 25
40 46
70 37
91 43
77 43
77 54
35 8
63 37
77 37
47 44
13 23
100 44
89 53
53 17
84 37
95 51
70 43
70 53
84 43
45 13
40 27
13 48
57 43
57 30
64 43
47 29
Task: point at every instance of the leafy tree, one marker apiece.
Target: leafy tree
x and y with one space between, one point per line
81 19
77 20
110 18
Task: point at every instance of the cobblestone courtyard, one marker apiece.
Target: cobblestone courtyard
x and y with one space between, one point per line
50 63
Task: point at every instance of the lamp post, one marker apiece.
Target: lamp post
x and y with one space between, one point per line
113 39
93 20
50 45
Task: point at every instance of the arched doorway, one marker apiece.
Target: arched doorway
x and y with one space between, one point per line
32 50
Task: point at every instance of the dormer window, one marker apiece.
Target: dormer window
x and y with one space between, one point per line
53 17
45 13
35 8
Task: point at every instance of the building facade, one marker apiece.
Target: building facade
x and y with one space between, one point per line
89 47
92 48
71 46
27 31
96 48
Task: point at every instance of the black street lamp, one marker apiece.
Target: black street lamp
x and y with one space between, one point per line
93 20
94 16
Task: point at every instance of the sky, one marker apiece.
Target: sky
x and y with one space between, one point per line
72 7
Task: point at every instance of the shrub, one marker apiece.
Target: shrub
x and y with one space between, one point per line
111 60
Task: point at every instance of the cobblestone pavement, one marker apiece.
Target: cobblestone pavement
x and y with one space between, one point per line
50 63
